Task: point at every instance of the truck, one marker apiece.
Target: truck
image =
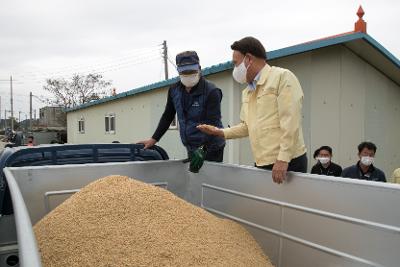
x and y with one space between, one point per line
310 220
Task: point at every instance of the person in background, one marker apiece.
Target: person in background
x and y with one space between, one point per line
396 176
325 166
365 169
31 141
17 138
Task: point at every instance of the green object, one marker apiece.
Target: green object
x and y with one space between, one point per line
197 159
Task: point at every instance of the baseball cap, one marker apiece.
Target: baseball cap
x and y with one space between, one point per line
186 61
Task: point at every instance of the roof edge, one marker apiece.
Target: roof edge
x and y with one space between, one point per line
382 49
275 54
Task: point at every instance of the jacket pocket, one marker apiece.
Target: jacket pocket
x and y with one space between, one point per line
267 109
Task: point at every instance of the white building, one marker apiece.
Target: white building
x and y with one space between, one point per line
351 85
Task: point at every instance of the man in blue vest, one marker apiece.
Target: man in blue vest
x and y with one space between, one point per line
195 101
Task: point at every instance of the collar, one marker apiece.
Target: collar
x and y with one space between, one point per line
371 168
260 78
264 74
322 166
253 84
196 90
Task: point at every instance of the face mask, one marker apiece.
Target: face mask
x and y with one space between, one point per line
190 80
367 160
239 72
324 160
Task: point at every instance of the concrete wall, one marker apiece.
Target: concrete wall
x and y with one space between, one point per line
346 101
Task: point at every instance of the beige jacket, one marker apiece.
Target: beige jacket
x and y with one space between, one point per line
271 117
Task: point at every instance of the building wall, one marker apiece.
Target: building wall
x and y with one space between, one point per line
346 101
52 117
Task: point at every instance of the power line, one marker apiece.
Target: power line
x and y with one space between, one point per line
101 70
98 61
104 70
79 68
171 61
7 93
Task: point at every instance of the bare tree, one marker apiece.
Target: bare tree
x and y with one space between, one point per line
79 90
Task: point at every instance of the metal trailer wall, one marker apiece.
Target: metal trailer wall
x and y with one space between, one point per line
308 221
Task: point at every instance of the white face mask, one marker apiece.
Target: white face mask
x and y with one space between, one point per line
366 161
190 80
239 72
324 160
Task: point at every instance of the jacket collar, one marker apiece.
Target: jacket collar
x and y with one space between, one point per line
371 168
197 89
264 74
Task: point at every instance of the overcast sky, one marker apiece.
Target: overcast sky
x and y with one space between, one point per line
49 38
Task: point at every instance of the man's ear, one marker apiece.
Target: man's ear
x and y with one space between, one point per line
250 57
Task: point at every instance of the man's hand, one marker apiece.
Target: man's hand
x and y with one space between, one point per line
279 171
210 130
197 160
148 143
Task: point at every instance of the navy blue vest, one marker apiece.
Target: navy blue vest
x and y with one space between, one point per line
191 111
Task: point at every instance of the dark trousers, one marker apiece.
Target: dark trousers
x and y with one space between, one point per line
298 164
212 155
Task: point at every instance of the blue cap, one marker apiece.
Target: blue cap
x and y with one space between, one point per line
186 61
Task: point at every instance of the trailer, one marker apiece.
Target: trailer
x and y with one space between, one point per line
308 221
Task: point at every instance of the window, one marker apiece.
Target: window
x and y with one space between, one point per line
81 125
174 123
109 123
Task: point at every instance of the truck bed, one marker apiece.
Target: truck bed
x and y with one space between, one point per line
308 221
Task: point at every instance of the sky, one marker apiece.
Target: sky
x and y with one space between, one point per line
122 40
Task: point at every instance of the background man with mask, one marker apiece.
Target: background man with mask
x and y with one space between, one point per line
325 166
195 100
271 111
365 169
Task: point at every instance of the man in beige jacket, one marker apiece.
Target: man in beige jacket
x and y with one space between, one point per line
271 111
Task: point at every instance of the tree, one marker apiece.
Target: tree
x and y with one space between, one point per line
79 90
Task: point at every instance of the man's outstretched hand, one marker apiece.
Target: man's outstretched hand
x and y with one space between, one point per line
210 130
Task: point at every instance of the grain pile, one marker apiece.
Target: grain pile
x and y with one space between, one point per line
117 221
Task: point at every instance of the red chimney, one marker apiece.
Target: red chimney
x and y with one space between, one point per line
360 25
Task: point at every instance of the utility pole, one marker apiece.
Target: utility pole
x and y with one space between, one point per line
12 105
30 111
165 57
5 119
34 111
19 117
